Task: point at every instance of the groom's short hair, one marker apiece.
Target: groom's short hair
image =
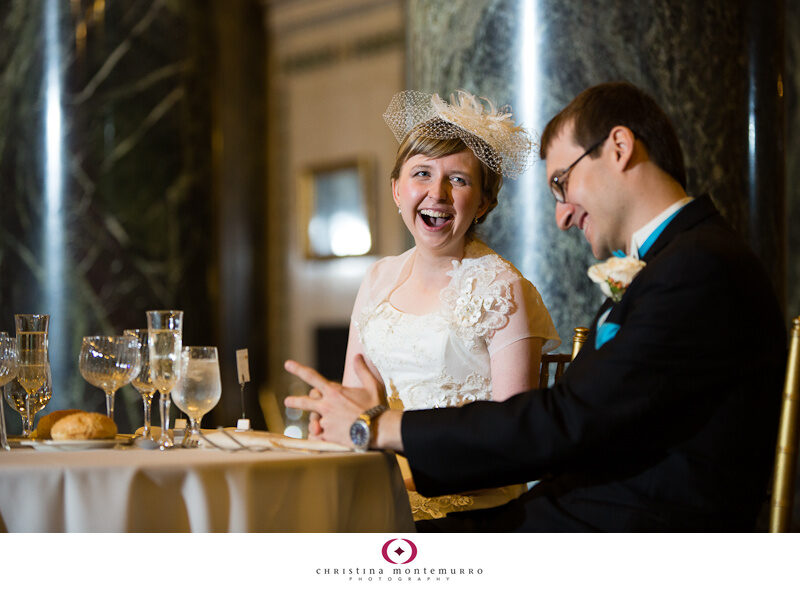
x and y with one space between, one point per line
598 109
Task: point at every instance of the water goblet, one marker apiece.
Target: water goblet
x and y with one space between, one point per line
8 370
200 387
109 362
164 341
24 404
144 380
34 383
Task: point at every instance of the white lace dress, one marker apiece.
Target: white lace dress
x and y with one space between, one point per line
443 359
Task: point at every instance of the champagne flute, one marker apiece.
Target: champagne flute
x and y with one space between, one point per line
8 370
144 380
33 369
109 362
200 387
164 340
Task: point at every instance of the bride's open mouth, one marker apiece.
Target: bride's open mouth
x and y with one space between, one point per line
435 219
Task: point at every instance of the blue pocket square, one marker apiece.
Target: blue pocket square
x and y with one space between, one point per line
605 333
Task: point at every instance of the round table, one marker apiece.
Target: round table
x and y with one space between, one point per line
127 489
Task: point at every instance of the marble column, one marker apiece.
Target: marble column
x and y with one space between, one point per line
791 93
766 156
107 202
713 67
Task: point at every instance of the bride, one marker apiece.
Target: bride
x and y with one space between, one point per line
449 321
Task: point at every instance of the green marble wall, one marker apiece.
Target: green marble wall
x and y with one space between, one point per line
696 60
126 219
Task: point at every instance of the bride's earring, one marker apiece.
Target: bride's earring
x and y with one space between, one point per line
399 210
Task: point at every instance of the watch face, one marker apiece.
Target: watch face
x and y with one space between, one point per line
359 434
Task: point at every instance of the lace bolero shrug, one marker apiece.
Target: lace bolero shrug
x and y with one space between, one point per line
442 359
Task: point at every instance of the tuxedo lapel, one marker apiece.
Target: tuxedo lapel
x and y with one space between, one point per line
694 212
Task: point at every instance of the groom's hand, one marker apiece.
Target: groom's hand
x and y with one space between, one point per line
334 407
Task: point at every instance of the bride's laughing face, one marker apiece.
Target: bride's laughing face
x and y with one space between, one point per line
439 198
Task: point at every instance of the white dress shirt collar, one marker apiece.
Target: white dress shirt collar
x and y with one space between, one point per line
640 236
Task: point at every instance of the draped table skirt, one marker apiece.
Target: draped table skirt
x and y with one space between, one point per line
199 490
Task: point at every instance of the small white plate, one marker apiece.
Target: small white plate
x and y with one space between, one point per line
66 445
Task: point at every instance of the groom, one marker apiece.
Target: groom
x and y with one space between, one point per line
667 418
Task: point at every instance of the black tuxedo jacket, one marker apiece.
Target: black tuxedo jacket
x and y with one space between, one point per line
670 425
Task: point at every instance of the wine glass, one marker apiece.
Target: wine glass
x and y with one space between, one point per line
144 381
109 362
164 340
8 370
200 387
34 388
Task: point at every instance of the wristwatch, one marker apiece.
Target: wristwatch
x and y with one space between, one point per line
361 430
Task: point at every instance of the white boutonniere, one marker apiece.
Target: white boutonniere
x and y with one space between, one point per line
615 275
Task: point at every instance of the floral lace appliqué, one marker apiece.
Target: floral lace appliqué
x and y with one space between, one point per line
445 391
436 507
477 301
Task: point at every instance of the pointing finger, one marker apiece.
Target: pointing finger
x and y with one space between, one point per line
305 373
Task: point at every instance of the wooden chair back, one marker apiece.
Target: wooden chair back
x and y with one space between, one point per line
559 361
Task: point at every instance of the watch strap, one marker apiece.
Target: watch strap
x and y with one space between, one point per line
373 412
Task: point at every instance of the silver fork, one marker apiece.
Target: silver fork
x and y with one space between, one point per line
188 441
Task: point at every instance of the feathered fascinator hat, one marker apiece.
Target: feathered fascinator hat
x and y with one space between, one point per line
489 132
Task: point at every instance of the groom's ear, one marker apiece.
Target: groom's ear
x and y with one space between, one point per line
623 144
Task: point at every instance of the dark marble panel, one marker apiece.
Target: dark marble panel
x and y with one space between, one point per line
126 227
238 286
791 93
766 170
693 58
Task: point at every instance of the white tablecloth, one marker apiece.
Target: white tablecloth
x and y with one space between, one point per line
182 490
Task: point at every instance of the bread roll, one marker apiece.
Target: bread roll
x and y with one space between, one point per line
46 423
84 426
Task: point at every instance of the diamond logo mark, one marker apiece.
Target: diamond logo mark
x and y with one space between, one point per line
393 551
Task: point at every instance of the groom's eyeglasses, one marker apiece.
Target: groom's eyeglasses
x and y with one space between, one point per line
558 183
